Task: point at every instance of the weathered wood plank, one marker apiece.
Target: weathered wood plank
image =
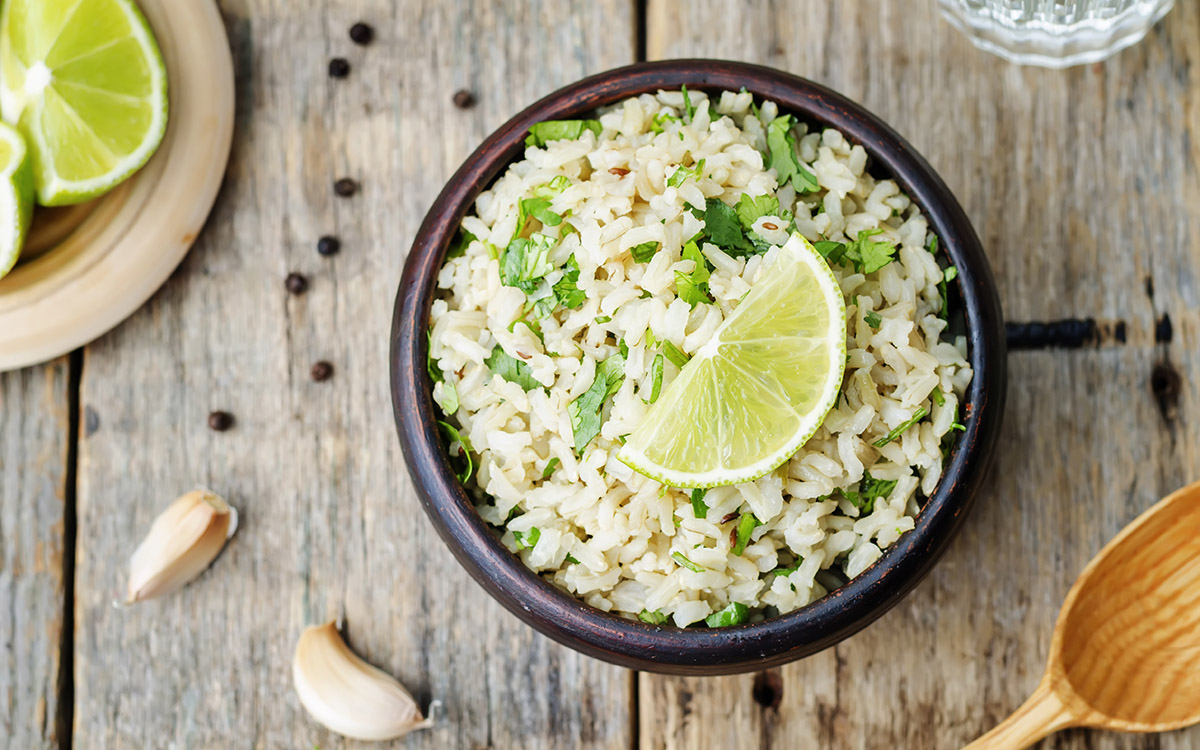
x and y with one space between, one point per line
34 422
329 523
1083 185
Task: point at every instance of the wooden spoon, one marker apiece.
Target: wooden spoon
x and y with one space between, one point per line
1126 649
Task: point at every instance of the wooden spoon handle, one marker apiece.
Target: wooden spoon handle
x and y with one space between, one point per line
1043 714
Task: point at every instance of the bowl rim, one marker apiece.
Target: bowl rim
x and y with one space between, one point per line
632 643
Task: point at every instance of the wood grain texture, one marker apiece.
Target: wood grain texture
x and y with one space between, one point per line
1082 185
329 524
34 422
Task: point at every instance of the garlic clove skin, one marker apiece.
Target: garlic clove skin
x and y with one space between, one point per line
347 694
182 542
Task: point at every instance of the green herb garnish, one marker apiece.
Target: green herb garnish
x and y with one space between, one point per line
464 450
692 287
553 187
511 369
528 539
674 354
869 490
652 618
662 121
899 429
525 261
872 318
585 410
745 528
559 130
750 210
688 109
734 614
600 319
566 289
571 559
782 157
679 558
551 465
937 396
656 376
678 177
950 274
699 507
462 239
724 228
644 252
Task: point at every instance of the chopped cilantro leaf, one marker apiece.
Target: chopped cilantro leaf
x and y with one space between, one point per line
462 239
464 450
679 558
745 528
724 228
512 370
674 354
933 244
566 290
623 348
525 262
750 210
787 570
656 375
899 430
692 287
734 614
559 130
869 490
449 399
873 318
604 319
781 154
571 559
551 465
699 507
662 121
831 251
678 177
585 410
529 539
688 108
950 274
538 208
867 255
652 618
553 187
644 252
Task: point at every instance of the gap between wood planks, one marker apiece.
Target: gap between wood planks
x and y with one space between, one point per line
65 716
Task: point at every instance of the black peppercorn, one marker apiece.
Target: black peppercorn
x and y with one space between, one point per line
339 67
329 245
345 187
296 283
464 99
322 371
362 33
219 421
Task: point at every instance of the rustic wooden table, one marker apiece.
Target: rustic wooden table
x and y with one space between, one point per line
1083 185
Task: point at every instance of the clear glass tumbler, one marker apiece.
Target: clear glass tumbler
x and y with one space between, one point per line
1054 33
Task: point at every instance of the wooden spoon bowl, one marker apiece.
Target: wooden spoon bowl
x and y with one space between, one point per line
1126 649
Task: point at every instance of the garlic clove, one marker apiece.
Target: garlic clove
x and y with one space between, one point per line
347 694
183 541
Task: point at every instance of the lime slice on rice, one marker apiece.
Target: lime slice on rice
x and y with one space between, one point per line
754 394
16 196
84 82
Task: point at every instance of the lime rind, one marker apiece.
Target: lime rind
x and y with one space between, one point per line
678 418
16 196
74 158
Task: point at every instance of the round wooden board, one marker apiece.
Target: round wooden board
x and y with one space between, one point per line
125 245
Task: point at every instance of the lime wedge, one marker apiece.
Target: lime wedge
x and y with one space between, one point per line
754 394
16 196
85 84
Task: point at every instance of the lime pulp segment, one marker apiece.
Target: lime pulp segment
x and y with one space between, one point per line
16 196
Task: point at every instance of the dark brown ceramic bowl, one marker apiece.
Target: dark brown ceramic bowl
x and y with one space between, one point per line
699 650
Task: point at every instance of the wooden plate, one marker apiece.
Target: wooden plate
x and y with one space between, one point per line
91 266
